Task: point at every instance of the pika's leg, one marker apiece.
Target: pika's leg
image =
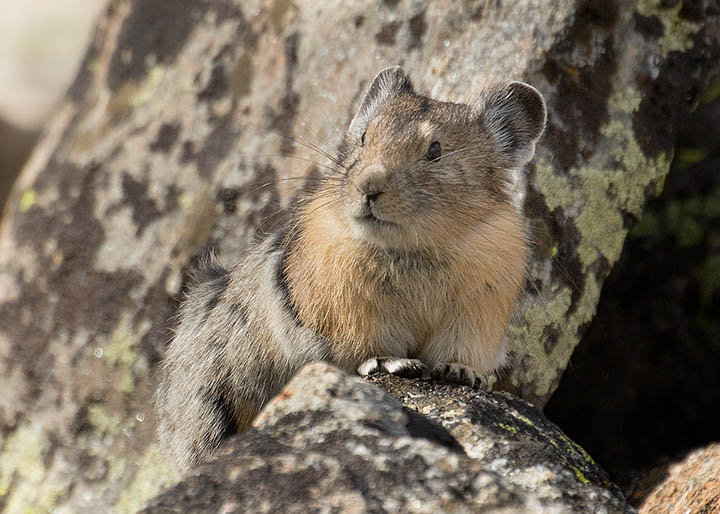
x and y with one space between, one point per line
459 374
406 368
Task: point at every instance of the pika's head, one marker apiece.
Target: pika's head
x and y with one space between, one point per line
412 166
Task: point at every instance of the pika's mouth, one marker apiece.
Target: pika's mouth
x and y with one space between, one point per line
372 220
367 215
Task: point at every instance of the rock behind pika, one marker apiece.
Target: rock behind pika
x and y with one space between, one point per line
408 258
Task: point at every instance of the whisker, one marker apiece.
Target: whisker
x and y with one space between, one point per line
304 214
293 157
295 140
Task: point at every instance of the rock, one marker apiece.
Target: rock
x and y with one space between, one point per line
167 145
509 436
651 357
331 443
691 485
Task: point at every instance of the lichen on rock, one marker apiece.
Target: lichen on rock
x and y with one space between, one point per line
330 442
177 136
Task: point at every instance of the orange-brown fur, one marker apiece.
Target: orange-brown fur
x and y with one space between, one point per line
335 283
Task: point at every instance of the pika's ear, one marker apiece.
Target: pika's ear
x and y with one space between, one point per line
515 116
388 83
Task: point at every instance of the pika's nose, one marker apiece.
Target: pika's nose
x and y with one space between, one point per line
369 198
371 184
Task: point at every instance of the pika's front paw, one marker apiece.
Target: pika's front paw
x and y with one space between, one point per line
458 374
406 368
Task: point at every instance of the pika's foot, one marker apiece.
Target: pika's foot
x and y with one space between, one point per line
406 368
459 374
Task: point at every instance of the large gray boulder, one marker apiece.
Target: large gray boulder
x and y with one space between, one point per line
651 356
331 443
168 144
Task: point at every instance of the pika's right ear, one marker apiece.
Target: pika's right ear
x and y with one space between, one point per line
388 83
515 116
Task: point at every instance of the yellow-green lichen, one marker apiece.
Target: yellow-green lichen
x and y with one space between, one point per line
149 87
597 195
604 194
185 200
554 187
120 351
626 101
509 428
602 225
121 354
639 171
116 467
677 31
580 475
152 476
567 454
27 200
530 338
576 448
22 466
554 314
524 419
47 498
585 455
556 446
103 421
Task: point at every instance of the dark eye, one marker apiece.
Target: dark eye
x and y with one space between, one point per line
434 152
362 138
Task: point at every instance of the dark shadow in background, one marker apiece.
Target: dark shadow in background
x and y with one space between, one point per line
644 385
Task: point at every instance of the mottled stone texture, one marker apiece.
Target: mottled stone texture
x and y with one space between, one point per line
175 138
690 485
644 382
330 443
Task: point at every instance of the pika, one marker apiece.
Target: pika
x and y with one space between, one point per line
406 259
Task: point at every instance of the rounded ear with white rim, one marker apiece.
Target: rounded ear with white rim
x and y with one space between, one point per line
386 84
515 116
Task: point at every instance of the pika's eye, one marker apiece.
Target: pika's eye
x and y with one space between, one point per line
362 138
434 152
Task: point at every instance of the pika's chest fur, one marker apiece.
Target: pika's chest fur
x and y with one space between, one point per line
367 301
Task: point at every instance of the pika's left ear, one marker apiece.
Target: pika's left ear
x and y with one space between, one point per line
515 116
387 84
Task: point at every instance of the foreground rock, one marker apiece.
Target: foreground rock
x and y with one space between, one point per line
691 485
331 443
151 160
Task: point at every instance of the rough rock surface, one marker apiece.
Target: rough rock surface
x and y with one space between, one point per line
651 358
689 486
331 443
167 144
